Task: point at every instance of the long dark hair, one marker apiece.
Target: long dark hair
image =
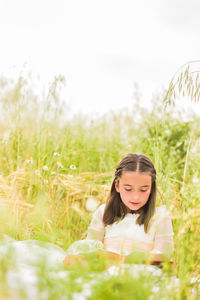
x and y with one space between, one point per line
115 208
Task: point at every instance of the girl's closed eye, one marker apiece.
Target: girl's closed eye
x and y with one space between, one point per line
129 190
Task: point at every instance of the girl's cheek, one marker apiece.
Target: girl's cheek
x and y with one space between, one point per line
126 195
146 195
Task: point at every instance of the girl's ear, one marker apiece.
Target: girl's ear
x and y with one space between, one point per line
116 185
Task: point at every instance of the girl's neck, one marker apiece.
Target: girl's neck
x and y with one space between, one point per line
133 212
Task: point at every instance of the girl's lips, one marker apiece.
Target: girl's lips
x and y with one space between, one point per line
134 203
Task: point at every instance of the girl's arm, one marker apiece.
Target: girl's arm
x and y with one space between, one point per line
95 233
163 239
96 228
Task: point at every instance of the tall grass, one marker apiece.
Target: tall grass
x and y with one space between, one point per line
49 168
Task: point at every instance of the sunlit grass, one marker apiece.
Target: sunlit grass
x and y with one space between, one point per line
49 170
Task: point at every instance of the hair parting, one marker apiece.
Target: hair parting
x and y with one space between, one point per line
115 208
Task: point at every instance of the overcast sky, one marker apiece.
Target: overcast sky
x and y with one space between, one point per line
101 47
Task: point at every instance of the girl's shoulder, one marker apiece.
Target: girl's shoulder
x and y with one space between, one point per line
162 221
101 208
100 211
161 212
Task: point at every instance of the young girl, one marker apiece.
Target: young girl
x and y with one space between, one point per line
129 222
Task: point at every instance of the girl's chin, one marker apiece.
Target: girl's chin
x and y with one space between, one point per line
134 209
134 206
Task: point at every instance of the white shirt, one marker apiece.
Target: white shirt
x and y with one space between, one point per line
125 236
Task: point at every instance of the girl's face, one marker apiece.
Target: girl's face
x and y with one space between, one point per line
134 189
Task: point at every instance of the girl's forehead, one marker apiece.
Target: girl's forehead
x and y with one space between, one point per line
135 177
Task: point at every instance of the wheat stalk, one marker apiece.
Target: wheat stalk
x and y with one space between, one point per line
184 83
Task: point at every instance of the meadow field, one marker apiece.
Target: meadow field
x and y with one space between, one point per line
50 165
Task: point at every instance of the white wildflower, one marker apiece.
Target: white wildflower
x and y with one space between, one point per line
91 204
195 179
29 161
46 181
194 279
53 173
59 164
37 172
45 168
167 131
56 154
155 289
72 167
194 149
69 175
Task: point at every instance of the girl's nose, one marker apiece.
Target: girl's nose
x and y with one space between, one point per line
135 196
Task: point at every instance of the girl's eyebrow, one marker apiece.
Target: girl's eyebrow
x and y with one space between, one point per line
146 185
